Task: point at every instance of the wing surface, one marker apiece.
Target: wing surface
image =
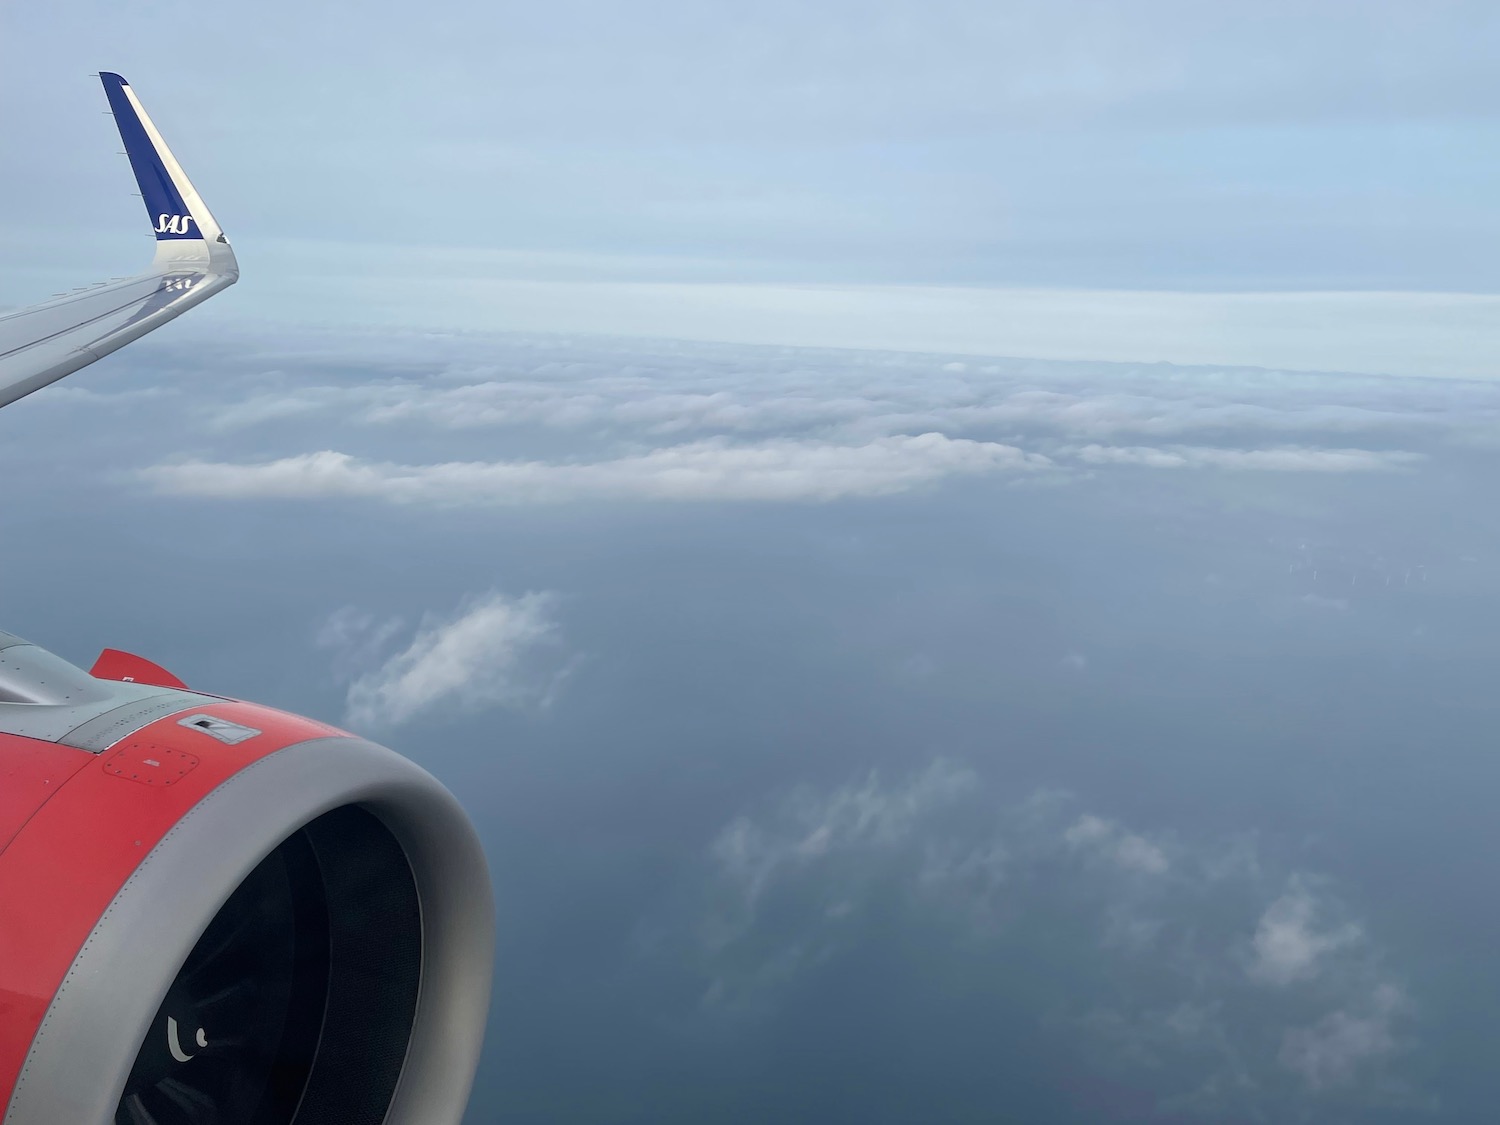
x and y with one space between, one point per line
193 261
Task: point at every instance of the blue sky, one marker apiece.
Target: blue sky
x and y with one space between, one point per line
847 497
1035 179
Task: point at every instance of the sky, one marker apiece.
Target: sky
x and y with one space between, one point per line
947 549
1275 184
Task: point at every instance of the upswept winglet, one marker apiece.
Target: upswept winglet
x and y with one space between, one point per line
41 344
175 209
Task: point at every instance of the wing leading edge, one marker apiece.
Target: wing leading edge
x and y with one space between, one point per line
193 261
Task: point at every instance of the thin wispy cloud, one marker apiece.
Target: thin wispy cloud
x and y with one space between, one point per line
1108 841
494 651
813 826
1200 946
1331 1052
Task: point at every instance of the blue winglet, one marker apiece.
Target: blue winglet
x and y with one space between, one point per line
169 213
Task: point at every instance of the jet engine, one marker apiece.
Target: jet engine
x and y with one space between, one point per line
215 913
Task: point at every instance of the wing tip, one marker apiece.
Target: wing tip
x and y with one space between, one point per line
176 212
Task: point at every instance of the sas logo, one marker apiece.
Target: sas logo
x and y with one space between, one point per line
173 224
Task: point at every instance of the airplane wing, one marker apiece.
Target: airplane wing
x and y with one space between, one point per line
193 261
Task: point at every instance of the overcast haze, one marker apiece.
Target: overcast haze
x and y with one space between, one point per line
949 549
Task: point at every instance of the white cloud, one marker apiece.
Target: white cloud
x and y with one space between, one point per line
72 394
603 419
1185 936
275 407
484 656
1109 841
1286 459
873 813
705 470
1331 1052
1289 944
356 637
611 419
809 826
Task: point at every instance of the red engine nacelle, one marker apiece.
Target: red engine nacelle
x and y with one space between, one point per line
212 911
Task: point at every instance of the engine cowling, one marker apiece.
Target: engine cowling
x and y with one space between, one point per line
215 912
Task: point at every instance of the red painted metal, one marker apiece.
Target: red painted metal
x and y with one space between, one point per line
150 763
63 868
114 664
31 772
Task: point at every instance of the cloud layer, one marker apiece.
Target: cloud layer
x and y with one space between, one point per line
707 470
606 420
